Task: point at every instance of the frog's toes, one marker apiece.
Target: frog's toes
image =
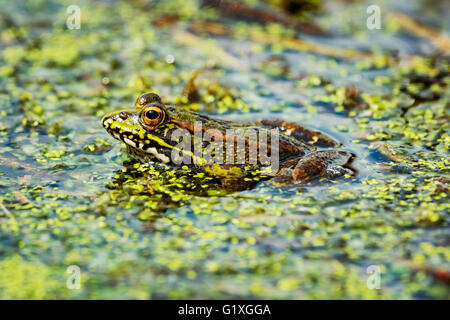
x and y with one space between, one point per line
333 157
336 171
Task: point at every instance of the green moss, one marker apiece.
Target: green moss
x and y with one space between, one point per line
20 279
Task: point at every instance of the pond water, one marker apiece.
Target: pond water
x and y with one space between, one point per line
70 195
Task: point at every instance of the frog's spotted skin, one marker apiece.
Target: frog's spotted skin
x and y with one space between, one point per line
147 129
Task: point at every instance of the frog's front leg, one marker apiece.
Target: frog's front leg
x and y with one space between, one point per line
318 164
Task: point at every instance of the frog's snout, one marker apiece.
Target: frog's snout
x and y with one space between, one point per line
106 120
114 118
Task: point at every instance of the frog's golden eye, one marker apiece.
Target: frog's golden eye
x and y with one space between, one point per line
153 115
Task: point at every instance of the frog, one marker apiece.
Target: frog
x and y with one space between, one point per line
156 133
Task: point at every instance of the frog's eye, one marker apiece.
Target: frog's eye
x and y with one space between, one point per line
153 115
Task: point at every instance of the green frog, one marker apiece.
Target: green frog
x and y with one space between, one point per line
233 152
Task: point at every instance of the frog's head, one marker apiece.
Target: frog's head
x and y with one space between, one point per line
147 128
144 128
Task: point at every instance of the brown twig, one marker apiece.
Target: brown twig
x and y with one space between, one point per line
6 211
437 39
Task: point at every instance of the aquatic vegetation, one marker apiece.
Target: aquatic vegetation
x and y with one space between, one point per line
71 196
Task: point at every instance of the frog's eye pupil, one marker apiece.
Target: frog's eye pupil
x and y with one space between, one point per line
152 114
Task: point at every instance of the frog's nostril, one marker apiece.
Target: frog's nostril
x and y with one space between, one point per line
123 115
